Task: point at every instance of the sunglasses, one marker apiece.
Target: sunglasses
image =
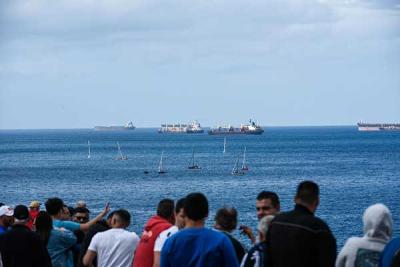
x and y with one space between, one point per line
263 208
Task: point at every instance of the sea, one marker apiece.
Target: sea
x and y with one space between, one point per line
353 169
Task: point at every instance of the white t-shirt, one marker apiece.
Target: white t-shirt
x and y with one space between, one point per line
114 247
162 237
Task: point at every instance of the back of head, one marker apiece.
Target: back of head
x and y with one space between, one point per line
269 195
378 222
54 206
226 219
165 208
179 205
121 219
21 214
44 225
307 192
196 206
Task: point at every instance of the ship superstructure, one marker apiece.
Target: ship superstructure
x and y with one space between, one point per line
251 128
193 127
372 127
128 126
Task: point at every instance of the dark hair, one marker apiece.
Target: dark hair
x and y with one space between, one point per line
54 205
123 216
44 225
165 208
269 195
109 216
80 210
179 205
307 192
196 206
1 204
21 212
226 218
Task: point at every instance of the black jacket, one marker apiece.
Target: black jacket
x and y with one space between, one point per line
298 238
21 247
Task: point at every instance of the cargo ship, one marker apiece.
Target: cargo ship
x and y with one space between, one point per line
191 128
128 126
252 128
372 127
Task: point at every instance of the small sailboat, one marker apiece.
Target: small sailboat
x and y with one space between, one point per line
89 154
236 170
120 155
224 145
244 166
192 165
161 169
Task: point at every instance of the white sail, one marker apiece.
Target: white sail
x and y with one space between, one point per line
160 166
89 154
120 155
244 167
224 146
235 168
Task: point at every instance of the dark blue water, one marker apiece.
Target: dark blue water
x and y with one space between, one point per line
353 169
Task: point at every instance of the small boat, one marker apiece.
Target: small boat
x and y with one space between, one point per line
192 165
146 172
224 151
120 155
161 169
89 155
244 166
236 170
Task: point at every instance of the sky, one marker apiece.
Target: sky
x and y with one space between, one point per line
81 63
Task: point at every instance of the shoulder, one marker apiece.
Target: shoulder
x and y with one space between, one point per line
67 224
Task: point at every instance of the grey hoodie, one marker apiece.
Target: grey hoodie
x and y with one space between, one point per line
366 250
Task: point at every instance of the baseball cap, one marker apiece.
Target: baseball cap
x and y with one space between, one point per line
34 204
21 212
6 210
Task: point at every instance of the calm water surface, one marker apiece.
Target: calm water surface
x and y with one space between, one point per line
353 169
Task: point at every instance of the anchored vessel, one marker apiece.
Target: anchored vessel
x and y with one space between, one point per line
368 127
251 128
193 127
128 126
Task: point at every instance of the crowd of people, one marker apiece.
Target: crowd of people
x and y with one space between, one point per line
176 235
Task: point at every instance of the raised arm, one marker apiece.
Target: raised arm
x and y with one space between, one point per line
85 226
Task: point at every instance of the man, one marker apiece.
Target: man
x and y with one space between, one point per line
60 214
6 218
114 247
196 245
164 235
99 227
164 219
267 203
80 215
226 222
298 238
20 246
34 209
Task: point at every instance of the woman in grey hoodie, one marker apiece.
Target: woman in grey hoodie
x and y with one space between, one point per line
366 250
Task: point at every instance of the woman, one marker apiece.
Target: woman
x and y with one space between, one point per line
58 241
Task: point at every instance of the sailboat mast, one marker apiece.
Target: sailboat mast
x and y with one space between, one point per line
224 145
119 150
89 155
160 166
244 158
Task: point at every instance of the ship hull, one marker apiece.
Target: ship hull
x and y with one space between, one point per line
257 132
113 128
375 127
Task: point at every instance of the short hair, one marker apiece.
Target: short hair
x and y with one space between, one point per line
80 210
54 205
109 216
264 224
179 205
307 192
226 218
196 206
269 195
123 216
165 208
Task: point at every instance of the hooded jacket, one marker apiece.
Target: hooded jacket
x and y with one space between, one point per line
366 250
144 255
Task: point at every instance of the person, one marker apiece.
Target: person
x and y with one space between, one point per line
6 218
114 247
99 227
256 255
366 250
60 215
267 203
20 246
80 204
164 235
80 215
164 219
196 245
298 237
58 241
389 253
34 209
226 222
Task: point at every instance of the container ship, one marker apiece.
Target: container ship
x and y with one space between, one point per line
191 128
371 127
251 128
128 126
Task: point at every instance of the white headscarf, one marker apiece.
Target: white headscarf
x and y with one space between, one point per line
378 222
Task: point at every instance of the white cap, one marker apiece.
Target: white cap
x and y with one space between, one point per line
6 210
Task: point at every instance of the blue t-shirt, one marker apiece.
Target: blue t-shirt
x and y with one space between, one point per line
3 229
59 247
196 247
388 253
69 225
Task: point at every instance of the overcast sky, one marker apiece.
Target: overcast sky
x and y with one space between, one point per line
80 63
